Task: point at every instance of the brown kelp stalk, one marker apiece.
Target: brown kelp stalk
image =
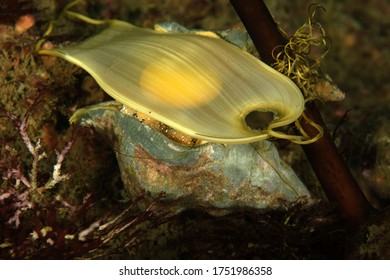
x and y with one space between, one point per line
332 172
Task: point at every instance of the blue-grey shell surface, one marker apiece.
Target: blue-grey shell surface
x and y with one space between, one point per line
213 177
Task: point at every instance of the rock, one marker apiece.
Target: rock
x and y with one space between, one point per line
213 177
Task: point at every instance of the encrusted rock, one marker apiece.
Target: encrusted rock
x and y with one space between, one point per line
214 177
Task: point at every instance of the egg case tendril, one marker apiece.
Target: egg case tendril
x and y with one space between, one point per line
201 86
293 59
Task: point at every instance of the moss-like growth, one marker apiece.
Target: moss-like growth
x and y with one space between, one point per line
300 59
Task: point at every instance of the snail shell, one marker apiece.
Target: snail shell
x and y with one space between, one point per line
201 86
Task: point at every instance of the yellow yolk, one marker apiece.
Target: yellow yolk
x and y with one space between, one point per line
179 85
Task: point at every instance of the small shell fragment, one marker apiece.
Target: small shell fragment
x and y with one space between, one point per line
201 86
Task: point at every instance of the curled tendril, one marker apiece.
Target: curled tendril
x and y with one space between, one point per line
50 27
294 60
